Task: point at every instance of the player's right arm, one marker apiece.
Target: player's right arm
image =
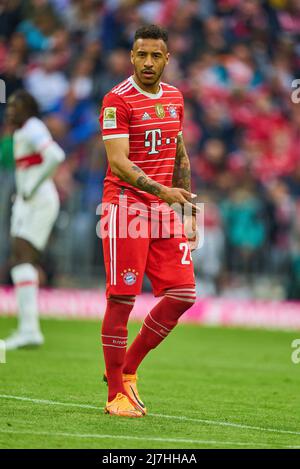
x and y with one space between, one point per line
114 121
117 153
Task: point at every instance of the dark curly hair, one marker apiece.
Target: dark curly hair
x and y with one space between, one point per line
151 31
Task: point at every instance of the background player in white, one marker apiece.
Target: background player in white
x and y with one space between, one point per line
34 211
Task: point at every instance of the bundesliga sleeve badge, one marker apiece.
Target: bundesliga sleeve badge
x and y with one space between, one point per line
110 118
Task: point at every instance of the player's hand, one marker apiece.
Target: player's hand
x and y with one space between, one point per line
191 231
177 195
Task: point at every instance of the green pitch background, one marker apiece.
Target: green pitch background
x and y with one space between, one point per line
204 388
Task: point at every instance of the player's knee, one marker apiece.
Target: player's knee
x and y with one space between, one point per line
23 253
116 315
184 298
18 260
128 300
184 305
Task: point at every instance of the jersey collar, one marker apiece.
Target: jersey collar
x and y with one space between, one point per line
149 95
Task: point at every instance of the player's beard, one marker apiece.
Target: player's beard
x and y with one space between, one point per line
155 80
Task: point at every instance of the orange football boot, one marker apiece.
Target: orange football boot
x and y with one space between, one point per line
122 407
129 382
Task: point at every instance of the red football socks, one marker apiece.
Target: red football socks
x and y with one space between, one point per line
158 324
114 341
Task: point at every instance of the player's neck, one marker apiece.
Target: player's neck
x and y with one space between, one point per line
153 89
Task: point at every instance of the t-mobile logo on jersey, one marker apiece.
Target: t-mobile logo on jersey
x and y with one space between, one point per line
153 141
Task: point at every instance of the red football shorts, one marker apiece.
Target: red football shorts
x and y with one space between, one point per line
135 245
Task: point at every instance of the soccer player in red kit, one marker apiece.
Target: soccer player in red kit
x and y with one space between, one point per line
141 121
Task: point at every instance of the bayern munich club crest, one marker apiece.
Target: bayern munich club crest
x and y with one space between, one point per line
129 276
172 111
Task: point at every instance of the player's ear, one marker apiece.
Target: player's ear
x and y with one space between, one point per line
131 57
167 57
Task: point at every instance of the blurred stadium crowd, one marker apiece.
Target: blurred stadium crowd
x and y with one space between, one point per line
234 61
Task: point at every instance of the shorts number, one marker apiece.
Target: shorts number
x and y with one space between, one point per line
184 247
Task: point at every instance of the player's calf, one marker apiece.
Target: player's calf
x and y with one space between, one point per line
158 324
114 341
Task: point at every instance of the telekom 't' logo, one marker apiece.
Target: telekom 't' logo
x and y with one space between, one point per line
153 139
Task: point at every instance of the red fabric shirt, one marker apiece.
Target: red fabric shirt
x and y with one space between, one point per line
152 123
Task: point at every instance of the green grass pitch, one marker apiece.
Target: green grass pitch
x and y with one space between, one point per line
204 388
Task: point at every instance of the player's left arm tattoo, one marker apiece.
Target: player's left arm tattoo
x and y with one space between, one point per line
182 168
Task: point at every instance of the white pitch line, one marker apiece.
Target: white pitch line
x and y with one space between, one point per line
172 417
47 402
139 438
226 424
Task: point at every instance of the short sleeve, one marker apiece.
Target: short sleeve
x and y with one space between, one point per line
37 134
114 117
181 116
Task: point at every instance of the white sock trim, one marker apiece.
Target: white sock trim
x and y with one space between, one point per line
115 346
160 325
189 300
24 273
163 336
114 336
131 303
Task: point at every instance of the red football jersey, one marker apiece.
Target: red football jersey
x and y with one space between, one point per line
152 123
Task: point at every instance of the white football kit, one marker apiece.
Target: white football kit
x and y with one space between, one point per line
36 156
